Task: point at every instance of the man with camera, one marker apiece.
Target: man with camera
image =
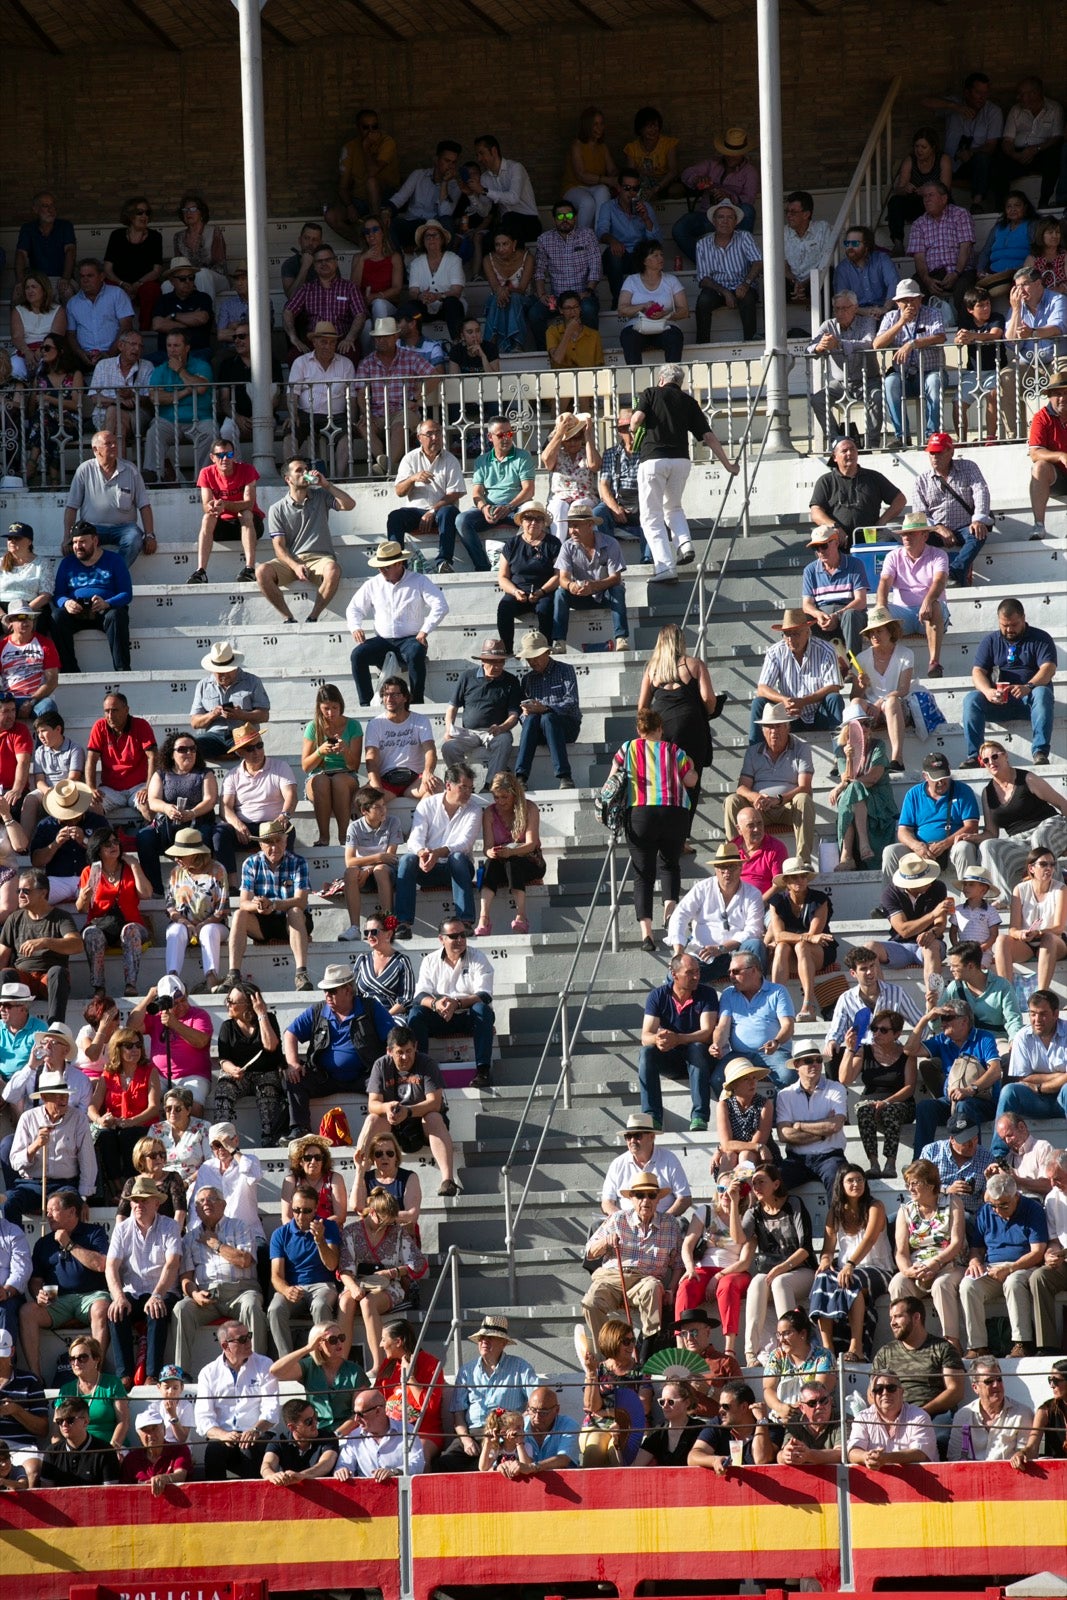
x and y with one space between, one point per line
179 1038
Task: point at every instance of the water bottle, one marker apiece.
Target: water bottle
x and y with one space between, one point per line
678 263
416 561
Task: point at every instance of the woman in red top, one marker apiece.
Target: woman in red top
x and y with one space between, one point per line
127 1098
310 1161
378 273
109 895
421 1386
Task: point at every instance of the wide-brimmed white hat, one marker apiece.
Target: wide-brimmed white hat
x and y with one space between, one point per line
67 800
915 873
50 1083
388 554
222 657
775 715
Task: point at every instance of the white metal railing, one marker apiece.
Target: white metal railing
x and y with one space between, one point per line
862 201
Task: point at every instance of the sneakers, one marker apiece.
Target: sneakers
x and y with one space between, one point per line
620 646
567 783
664 575
232 977
698 1125
246 575
350 933
303 982
559 647
1038 531
686 555
199 576
445 566
970 763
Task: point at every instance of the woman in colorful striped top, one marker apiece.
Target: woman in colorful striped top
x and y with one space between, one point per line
657 822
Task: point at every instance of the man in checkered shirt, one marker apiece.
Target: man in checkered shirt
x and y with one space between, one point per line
273 904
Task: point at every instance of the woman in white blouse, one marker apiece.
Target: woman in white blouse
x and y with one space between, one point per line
648 300
436 277
885 679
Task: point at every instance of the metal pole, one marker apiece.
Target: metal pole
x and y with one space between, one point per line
770 140
565 1053
509 1236
457 1314
613 890
256 236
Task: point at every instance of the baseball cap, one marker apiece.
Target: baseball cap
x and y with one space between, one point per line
936 765
938 442
963 1126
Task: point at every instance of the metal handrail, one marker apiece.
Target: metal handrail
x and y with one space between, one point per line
512 1216
870 156
449 1274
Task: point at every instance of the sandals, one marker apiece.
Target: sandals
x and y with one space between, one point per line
520 925
808 1014
483 930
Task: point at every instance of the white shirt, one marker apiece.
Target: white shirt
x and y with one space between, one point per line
472 974
1031 1160
144 1255
827 1100
109 376
449 271
1056 1215
18 1088
1029 1055
997 1440
238 1186
667 1168
363 1454
70 1148
1024 127
236 1398
511 188
803 254
446 478
15 1257
399 610
715 922
320 389
433 829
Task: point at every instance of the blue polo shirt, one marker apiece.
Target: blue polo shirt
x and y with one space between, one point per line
932 817
303 1264
755 1021
663 1004
1008 1238
477 1391
15 1047
978 1043
1015 660
341 1059
562 1441
61 1267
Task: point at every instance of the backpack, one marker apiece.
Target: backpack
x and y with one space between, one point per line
613 801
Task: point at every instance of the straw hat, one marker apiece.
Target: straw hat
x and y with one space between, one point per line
727 205
145 1188
324 330
879 617
336 976
805 1052
533 508
734 142
725 856
916 522
581 510
792 617
187 842
793 867
645 1185
50 1083
244 733
181 261
574 422
775 715
493 1326
638 1122
432 222
384 328
67 800
388 554
741 1067
280 828
1055 383
915 873
222 657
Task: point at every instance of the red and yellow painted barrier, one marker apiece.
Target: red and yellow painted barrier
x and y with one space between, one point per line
317 1535
958 1521
625 1528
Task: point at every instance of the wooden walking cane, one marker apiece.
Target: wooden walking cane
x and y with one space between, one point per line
622 1282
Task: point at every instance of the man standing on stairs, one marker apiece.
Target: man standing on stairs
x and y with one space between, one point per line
646 1267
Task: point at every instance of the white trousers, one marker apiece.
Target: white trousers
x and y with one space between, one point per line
660 486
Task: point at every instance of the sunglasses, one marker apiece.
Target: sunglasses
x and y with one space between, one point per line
142 211
882 1027
182 277
368 1411
369 127
313 1155
335 1338
382 1155
76 1361
240 1338
67 1422
373 933
258 745
455 936
185 749
1057 1378
886 1388
303 1211
222 455
820 1400
564 216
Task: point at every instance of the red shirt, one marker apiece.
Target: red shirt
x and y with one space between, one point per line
224 488
123 756
1047 430
12 744
763 864
23 666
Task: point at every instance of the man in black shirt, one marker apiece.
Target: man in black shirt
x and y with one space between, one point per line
235 375
79 1461
306 1453
37 942
850 496
668 416
59 841
490 703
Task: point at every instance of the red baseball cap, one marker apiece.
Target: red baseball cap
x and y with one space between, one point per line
938 442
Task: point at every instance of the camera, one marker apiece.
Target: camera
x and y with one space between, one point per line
156 1007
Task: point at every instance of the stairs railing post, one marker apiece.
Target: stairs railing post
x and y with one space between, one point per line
565 1052
613 890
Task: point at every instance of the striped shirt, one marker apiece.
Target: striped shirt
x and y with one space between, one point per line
932 496
727 267
816 669
833 586
393 986
568 260
656 771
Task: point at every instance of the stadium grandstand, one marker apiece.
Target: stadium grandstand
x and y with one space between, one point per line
533 799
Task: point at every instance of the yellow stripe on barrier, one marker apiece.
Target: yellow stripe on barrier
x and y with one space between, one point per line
961 1524
176 1547
642 1529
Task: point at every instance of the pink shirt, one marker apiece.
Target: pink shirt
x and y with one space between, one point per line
185 1060
911 580
763 864
913 1430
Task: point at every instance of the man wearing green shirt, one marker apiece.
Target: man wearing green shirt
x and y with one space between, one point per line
503 480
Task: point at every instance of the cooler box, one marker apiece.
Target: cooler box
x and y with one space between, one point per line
871 558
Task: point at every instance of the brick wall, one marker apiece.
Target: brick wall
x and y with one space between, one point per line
175 120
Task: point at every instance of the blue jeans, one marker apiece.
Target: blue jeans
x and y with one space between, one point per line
477 1021
717 968
37 707
456 871
125 537
1038 707
558 729
895 390
932 1114
693 225
471 527
25 1195
800 1167
406 518
156 1329
1026 1102
613 599
540 316
694 1058
607 525
776 1062
827 719
372 653
634 344
962 560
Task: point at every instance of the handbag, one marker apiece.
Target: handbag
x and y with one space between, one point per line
613 801
964 1073
926 715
